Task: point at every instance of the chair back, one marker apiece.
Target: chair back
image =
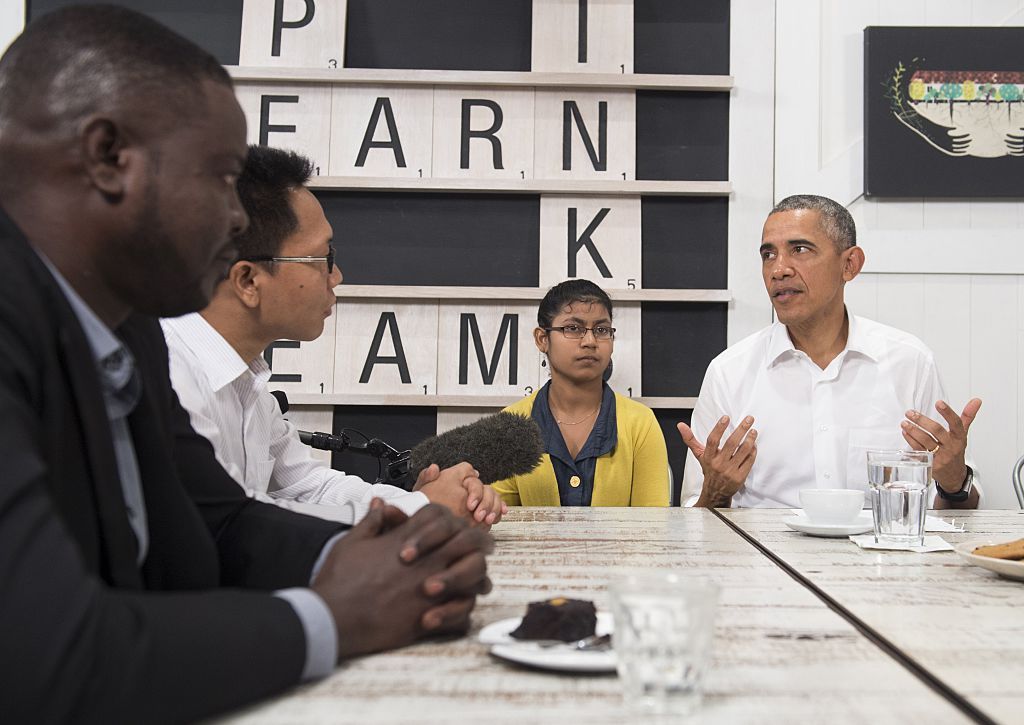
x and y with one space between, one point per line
1018 485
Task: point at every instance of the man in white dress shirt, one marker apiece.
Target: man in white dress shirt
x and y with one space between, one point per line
282 287
823 386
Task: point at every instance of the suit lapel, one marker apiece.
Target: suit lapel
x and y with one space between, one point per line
118 542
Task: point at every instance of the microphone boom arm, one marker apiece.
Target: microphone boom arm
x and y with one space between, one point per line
395 463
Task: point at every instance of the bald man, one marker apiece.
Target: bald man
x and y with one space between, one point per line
139 582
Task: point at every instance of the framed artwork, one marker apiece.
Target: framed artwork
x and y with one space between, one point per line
943 112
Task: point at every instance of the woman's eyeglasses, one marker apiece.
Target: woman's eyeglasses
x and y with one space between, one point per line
578 332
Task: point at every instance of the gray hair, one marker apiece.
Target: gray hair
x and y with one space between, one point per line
835 219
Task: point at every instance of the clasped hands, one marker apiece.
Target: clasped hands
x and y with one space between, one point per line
461 490
393 579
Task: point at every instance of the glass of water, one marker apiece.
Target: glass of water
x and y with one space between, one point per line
899 483
664 622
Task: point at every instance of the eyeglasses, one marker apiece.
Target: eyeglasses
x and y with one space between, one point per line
329 259
578 332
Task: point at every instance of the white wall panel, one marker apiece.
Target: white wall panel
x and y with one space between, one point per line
862 296
907 12
751 151
996 214
947 331
12 20
995 372
995 12
946 12
901 301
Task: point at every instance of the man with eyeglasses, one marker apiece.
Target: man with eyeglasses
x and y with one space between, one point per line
282 287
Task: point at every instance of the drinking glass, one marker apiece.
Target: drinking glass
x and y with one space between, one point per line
664 623
899 483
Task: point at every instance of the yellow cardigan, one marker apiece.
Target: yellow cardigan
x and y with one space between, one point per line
634 474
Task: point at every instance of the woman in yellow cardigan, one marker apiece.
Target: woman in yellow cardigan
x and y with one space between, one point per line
601 448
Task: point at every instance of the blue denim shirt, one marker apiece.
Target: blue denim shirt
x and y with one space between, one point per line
603 439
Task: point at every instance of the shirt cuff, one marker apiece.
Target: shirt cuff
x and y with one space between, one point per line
319 563
407 502
318 626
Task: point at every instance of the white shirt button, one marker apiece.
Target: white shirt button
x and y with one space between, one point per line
828 475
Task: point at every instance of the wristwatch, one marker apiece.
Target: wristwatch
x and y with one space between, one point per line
961 495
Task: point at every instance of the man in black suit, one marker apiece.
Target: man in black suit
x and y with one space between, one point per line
137 582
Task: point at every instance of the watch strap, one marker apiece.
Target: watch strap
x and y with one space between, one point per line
961 495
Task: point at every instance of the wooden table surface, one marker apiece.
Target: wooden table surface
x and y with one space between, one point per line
780 654
962 623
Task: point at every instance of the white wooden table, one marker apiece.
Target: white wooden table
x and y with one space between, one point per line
961 623
780 654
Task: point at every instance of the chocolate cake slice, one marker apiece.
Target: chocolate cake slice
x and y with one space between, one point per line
563 619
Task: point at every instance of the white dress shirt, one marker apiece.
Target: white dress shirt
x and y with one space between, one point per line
814 426
228 403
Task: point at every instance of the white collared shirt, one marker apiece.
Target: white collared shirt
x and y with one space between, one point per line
814 426
229 404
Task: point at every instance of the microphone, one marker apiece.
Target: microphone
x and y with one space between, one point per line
394 462
498 446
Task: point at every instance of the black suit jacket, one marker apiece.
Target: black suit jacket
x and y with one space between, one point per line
86 634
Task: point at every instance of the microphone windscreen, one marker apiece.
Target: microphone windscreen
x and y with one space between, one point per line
498 446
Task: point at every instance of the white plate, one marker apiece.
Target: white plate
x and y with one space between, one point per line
1003 567
804 525
556 657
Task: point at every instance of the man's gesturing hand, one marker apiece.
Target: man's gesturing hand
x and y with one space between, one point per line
948 446
389 582
725 467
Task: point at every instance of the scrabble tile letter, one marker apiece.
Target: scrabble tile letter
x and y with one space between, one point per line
587 36
386 346
596 238
293 33
381 131
486 349
291 117
585 135
483 133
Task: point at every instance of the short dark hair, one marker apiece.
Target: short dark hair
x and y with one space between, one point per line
836 221
267 178
83 58
565 293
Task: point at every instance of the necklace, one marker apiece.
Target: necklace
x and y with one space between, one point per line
577 422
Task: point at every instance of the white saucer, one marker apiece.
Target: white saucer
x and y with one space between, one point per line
804 525
1003 567
557 657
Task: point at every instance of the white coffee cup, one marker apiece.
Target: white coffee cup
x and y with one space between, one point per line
831 505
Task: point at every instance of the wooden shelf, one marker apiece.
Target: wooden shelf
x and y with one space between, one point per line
501 294
576 187
375 76
451 401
